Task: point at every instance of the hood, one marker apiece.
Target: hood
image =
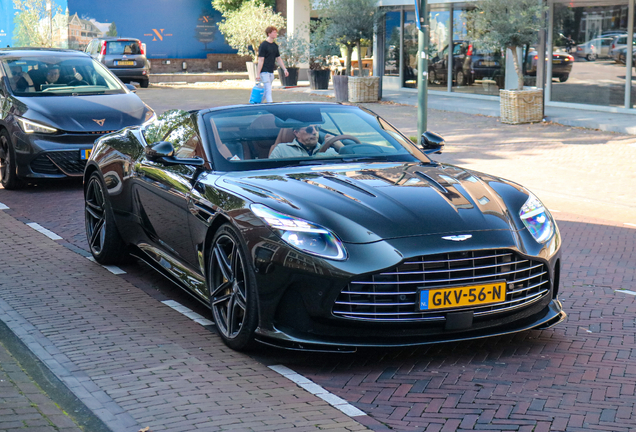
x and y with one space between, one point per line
86 113
369 202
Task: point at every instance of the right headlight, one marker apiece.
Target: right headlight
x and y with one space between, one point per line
301 234
537 219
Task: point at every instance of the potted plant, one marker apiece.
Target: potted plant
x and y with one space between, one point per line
294 51
244 30
352 21
511 24
321 47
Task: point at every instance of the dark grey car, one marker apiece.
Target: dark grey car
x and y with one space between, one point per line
125 57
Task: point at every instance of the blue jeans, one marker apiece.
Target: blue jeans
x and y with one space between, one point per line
267 78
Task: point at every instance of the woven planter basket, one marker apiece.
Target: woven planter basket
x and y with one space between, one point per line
521 106
364 89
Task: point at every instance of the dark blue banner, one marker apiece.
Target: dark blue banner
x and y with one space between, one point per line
169 28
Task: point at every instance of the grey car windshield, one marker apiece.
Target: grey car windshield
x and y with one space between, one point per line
58 76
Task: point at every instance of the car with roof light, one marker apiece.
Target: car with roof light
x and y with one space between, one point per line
320 226
55 104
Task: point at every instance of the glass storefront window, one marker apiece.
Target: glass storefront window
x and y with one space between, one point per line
587 66
439 25
393 35
476 70
409 78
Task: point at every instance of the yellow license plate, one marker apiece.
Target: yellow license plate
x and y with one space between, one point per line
471 295
85 154
556 61
125 63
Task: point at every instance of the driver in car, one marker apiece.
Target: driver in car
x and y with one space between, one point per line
305 144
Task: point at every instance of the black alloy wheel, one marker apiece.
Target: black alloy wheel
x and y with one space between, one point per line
104 240
8 169
232 292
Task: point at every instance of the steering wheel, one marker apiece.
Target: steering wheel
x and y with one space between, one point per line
77 82
332 140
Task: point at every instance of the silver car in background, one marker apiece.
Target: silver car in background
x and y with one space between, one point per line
125 57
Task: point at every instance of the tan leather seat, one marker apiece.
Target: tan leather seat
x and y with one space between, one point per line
261 148
285 135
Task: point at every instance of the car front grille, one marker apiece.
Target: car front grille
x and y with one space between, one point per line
392 295
64 162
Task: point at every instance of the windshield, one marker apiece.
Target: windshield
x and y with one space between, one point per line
58 76
263 136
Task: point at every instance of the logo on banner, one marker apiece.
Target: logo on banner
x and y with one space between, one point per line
158 34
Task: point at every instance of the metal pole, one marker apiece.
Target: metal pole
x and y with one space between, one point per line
629 55
547 93
451 48
422 69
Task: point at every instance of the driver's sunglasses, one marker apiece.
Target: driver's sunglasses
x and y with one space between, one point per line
310 129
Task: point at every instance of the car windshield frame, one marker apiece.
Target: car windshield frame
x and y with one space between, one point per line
217 123
78 76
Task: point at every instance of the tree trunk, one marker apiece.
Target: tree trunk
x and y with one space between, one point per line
359 58
348 60
518 70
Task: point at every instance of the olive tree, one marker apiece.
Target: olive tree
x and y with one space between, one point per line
350 22
244 28
510 24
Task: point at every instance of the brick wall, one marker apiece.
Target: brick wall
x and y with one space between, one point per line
230 62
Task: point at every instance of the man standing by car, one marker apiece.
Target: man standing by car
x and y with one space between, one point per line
268 56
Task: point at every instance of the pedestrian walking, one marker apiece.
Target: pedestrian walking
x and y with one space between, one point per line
268 56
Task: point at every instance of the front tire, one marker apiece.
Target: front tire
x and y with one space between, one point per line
104 241
591 57
461 78
232 286
563 78
8 166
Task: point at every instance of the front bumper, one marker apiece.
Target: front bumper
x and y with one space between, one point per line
297 294
41 156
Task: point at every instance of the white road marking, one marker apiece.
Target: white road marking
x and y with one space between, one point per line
317 390
624 291
629 224
555 211
3 207
39 228
188 312
113 269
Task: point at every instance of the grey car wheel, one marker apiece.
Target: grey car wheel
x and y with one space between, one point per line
461 78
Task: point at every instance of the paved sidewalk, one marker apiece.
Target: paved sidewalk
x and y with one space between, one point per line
23 405
99 335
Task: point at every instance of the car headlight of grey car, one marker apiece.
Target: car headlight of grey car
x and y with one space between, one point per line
306 236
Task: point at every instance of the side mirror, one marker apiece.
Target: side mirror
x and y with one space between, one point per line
432 143
131 87
163 152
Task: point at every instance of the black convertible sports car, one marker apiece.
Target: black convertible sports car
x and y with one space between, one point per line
53 105
367 242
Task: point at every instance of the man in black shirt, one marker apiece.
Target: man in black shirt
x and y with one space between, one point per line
268 56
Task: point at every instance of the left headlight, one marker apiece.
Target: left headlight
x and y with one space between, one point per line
301 234
30 127
536 218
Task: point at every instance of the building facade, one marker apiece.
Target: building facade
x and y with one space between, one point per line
586 40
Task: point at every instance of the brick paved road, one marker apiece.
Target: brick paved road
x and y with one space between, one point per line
580 375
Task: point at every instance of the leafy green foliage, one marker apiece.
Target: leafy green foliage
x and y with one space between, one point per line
350 22
112 30
244 29
32 25
497 24
293 49
225 6
322 44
